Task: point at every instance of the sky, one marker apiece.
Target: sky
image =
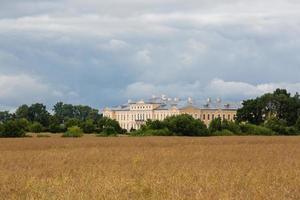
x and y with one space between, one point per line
102 53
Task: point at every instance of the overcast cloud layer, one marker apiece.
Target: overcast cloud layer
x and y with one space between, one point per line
103 52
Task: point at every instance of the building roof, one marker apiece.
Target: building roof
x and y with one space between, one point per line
167 105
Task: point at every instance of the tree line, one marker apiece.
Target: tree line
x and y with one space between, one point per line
276 113
37 119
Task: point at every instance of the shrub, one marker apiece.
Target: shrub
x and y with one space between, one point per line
13 128
108 131
56 128
186 125
215 125
88 126
250 129
152 132
73 131
36 127
276 125
292 131
231 126
223 132
297 125
72 122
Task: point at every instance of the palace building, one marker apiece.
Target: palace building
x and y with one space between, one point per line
134 114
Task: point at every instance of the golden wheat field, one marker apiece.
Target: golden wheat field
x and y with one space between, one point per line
150 168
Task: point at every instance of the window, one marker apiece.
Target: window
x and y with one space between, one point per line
223 117
208 116
213 116
228 117
203 116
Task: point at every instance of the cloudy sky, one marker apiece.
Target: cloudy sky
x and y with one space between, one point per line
101 53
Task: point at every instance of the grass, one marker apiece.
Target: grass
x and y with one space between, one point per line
155 168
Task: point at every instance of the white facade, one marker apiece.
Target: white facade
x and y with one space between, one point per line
134 114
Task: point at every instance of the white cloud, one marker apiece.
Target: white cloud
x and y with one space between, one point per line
143 57
25 89
229 90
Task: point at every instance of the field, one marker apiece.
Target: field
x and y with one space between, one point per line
150 168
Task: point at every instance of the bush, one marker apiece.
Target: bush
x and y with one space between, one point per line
297 125
215 125
231 126
152 132
292 131
72 122
186 125
250 129
56 128
88 126
73 131
36 127
276 125
223 132
13 128
108 131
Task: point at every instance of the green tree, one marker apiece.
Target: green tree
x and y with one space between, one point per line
73 131
39 113
5 116
88 126
36 127
23 112
106 122
13 128
298 124
215 125
186 125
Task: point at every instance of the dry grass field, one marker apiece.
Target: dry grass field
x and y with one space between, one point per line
150 168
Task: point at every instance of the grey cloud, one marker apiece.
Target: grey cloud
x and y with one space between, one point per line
107 53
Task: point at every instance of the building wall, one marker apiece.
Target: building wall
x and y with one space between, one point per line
139 113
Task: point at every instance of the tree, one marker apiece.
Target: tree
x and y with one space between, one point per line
231 126
5 116
73 131
38 113
215 125
23 112
13 128
106 122
88 126
186 125
279 104
36 127
298 124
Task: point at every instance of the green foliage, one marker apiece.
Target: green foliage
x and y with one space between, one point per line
279 104
223 132
88 126
276 125
215 125
108 131
72 122
231 126
13 128
107 123
68 111
57 128
251 129
36 127
73 131
297 125
5 116
152 132
186 125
